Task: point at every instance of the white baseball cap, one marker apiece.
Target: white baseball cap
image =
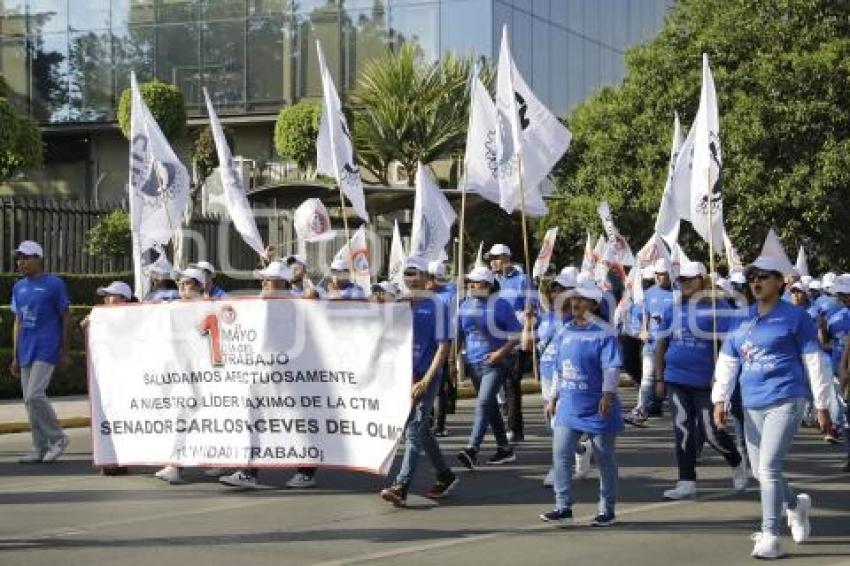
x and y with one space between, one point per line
28 247
806 279
339 265
274 270
161 268
193 273
661 265
416 262
205 265
737 277
498 249
481 274
567 278
296 258
770 263
387 287
841 284
437 269
799 286
815 285
827 280
587 289
647 272
118 288
692 269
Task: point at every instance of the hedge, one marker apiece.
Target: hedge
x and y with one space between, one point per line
70 381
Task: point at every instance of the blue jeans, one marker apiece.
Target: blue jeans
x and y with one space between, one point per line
419 437
564 444
769 432
487 380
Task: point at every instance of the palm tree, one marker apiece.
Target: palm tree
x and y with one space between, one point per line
410 110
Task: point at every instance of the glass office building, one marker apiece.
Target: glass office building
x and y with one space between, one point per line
66 62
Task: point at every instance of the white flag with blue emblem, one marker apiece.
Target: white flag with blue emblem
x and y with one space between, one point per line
158 187
667 221
237 203
334 146
481 161
395 270
433 217
528 132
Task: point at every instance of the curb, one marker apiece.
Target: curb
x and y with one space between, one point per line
463 392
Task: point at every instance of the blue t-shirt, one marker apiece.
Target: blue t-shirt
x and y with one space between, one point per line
513 287
546 333
656 300
838 328
633 323
162 295
607 305
39 303
486 325
430 327
217 292
584 352
770 348
826 306
349 290
448 293
688 328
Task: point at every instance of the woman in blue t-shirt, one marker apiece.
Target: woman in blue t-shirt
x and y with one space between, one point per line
684 358
774 351
489 331
584 401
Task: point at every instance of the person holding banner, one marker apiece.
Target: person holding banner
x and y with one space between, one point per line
40 339
340 285
514 287
684 362
162 284
191 284
489 330
584 401
773 352
385 292
447 291
431 337
211 289
300 285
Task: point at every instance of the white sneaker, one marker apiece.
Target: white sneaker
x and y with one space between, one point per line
740 476
301 481
171 474
798 519
240 478
766 546
549 480
683 490
34 456
215 472
583 461
56 449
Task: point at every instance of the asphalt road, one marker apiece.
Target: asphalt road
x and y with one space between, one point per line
65 513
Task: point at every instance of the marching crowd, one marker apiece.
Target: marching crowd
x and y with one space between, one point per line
742 361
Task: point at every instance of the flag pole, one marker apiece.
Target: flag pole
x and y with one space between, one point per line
343 210
711 265
460 274
534 369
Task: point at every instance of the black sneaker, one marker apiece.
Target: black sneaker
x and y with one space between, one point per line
502 456
604 520
396 494
556 515
468 457
441 488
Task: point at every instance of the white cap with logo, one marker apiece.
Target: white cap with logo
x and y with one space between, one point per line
416 262
118 288
692 269
193 273
274 270
205 265
479 274
30 248
498 249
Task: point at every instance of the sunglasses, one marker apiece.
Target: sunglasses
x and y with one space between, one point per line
687 279
411 273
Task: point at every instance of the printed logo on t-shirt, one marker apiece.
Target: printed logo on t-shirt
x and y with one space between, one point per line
572 377
756 358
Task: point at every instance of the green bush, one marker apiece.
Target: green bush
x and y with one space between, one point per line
110 237
295 132
70 381
165 102
20 143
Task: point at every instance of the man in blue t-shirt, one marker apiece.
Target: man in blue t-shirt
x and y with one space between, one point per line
211 289
431 335
39 343
446 397
515 288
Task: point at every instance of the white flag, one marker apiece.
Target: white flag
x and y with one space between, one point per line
547 246
312 222
707 177
681 182
528 132
237 203
677 259
356 253
802 265
588 261
395 270
732 257
433 217
667 222
479 259
334 147
617 249
481 161
159 187
653 250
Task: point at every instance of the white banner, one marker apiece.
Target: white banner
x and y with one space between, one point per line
250 382
547 246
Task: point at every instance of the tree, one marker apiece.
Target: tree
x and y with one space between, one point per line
782 72
110 237
295 132
166 104
20 143
204 153
410 110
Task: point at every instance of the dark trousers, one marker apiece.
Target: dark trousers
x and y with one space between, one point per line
446 399
632 357
692 411
513 394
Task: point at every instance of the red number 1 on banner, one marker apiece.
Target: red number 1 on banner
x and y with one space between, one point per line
209 327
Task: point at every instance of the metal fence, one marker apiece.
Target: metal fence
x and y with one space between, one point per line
60 226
